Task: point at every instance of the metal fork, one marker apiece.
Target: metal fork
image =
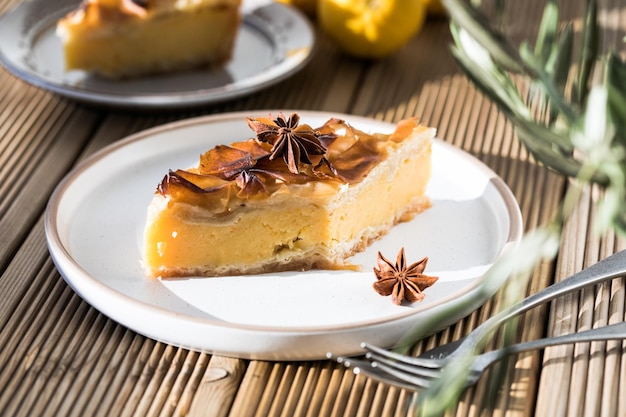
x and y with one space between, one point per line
396 369
611 267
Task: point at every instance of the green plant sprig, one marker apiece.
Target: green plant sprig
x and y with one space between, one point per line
579 132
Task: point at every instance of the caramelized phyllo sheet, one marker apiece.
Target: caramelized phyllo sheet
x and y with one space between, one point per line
284 154
92 13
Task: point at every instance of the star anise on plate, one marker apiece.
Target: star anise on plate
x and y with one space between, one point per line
400 281
293 142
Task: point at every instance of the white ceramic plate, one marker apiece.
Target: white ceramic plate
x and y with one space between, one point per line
95 220
274 42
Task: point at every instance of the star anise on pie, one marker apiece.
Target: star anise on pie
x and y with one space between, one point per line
400 281
293 142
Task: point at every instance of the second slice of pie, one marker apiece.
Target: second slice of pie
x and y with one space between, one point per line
131 38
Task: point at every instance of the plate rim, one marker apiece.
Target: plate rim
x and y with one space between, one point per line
57 247
271 75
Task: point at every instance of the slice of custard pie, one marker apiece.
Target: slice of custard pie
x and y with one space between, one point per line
293 198
130 38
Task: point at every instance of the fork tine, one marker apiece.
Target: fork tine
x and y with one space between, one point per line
384 374
408 368
418 382
416 361
363 367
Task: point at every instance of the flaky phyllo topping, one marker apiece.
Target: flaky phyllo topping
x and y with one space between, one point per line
283 153
96 11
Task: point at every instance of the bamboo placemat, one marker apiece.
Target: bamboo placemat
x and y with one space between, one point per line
60 357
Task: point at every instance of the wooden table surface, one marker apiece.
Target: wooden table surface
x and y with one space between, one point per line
61 357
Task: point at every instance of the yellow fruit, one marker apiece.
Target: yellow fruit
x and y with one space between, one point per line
371 28
309 7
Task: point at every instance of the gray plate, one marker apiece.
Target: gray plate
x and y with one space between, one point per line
274 42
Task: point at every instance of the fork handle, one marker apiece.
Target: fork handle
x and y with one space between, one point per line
604 333
611 267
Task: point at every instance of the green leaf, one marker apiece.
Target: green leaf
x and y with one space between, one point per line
588 53
546 83
616 87
547 32
559 64
477 25
490 79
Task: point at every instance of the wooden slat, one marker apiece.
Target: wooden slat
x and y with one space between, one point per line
218 386
39 172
